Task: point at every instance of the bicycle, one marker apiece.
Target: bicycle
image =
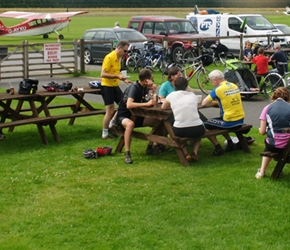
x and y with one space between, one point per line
133 56
221 54
152 59
197 68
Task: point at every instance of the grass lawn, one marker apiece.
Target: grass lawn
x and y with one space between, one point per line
53 198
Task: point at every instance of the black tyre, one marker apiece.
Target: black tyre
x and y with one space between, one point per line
177 55
188 57
131 64
271 82
203 81
88 57
140 64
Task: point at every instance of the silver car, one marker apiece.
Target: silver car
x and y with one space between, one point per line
285 40
97 52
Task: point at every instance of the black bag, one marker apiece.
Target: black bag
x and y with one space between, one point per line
28 86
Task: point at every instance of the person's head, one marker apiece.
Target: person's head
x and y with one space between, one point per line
173 72
281 92
146 77
277 46
261 51
122 47
247 44
117 24
180 83
216 77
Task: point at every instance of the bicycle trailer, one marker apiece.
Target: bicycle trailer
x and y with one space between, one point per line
239 73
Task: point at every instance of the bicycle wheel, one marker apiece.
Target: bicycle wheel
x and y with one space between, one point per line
203 81
140 64
217 62
271 82
188 57
226 56
131 64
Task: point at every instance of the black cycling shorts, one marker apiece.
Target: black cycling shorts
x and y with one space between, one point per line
111 95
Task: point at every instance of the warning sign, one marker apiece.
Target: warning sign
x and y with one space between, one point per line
52 52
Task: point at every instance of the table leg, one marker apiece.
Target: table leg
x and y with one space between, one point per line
120 145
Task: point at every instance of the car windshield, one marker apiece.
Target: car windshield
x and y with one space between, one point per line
180 27
284 28
258 23
130 35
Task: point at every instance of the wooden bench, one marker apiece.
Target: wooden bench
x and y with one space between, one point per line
281 159
180 143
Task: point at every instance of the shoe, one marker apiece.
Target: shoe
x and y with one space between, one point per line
152 151
218 152
108 137
231 147
128 159
2 136
259 175
112 123
188 157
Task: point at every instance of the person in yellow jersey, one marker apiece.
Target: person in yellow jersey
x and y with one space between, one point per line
111 78
227 96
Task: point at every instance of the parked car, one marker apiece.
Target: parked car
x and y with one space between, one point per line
179 32
97 52
285 29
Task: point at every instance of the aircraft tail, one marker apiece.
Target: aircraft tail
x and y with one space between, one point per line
2 26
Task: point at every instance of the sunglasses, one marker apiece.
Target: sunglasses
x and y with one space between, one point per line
125 50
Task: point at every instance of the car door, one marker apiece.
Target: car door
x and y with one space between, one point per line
97 49
233 29
109 36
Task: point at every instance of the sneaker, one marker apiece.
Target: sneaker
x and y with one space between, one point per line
194 157
2 136
259 175
218 152
112 123
108 137
128 159
231 147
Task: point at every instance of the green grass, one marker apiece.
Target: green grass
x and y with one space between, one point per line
53 198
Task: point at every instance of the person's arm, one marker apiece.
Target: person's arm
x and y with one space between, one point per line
263 127
131 104
105 74
165 104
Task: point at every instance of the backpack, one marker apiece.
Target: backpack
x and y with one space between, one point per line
28 86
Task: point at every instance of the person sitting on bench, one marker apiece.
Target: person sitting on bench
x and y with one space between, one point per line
274 118
227 96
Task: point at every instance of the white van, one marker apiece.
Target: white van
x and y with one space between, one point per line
234 25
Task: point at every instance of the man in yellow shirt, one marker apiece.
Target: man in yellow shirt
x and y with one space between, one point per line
227 96
111 78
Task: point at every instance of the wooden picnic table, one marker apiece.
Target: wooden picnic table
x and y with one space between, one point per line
39 108
164 116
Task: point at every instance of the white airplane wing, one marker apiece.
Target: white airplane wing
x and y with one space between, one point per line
33 15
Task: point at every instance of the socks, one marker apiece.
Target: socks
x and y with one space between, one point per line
105 132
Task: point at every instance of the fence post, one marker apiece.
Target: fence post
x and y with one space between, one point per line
25 59
76 57
241 47
82 56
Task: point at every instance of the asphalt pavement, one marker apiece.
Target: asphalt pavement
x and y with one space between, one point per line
252 106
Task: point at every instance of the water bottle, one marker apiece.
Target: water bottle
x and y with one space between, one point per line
288 81
190 73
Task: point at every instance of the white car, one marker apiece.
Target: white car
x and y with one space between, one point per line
286 30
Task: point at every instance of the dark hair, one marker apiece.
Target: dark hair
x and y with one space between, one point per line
123 43
172 72
281 92
145 74
180 83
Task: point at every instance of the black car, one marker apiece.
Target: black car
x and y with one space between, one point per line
97 52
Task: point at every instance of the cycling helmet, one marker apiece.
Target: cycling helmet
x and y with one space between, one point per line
67 86
95 84
90 154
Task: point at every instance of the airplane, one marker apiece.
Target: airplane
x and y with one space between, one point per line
37 23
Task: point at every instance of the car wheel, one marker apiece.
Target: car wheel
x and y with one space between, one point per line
87 57
45 36
61 37
177 54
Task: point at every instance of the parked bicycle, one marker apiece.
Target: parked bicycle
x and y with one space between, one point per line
221 54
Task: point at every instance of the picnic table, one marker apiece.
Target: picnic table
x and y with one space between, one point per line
38 110
163 115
